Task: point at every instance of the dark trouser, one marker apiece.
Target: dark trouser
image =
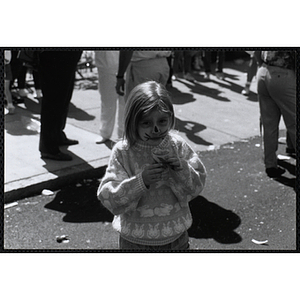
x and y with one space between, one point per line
182 243
184 57
57 76
22 77
276 88
207 61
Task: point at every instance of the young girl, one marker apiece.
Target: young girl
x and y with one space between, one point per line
151 176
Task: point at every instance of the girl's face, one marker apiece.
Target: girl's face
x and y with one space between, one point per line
153 127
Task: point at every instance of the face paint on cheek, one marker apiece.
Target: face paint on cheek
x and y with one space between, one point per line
147 136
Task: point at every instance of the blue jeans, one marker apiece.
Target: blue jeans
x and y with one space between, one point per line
276 89
182 243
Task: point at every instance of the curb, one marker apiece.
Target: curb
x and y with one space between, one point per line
68 176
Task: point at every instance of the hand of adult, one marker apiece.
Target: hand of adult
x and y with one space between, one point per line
120 86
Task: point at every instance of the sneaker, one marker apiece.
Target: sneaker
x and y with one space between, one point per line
275 172
246 91
282 140
207 76
11 109
220 75
189 77
38 94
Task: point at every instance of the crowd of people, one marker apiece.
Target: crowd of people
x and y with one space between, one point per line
150 160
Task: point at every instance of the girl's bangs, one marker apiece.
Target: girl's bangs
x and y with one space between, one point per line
159 104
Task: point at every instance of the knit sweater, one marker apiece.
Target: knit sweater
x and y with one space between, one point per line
157 215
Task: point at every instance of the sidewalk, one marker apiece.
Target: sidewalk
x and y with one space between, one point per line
208 114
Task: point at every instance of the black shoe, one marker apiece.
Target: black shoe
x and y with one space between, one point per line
58 156
275 172
68 142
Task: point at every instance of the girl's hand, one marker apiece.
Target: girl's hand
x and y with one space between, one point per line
152 174
174 163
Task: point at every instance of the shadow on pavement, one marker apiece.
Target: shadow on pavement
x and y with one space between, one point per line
190 128
198 88
213 221
289 167
56 166
79 114
32 105
227 83
80 204
179 97
291 182
22 123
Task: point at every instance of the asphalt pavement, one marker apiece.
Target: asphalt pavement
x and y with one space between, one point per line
240 208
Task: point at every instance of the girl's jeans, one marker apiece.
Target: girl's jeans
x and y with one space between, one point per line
276 89
182 243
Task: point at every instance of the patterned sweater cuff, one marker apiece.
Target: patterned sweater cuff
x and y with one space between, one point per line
141 185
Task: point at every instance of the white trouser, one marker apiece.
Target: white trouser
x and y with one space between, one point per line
109 100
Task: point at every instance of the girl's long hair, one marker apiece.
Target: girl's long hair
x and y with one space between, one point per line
142 99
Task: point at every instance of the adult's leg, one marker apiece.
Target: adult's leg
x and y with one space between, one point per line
282 89
177 63
290 149
8 97
170 63
252 69
220 61
187 57
109 98
57 69
70 59
22 78
207 61
270 117
16 66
